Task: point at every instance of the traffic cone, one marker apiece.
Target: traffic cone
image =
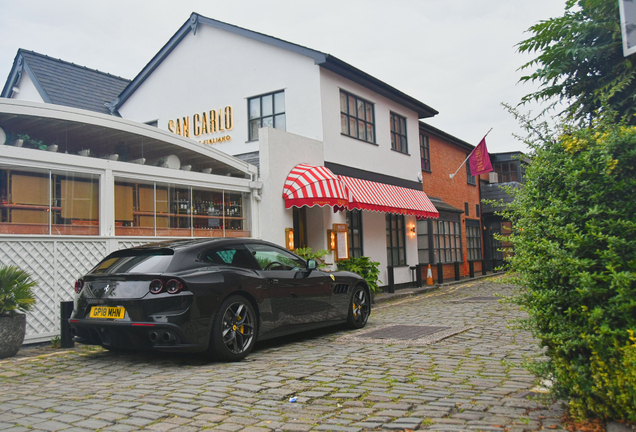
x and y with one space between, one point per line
429 276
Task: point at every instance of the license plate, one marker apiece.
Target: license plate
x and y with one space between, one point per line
107 312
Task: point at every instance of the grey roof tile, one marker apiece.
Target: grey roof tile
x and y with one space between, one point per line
72 85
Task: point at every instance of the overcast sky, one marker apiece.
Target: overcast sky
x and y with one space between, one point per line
458 57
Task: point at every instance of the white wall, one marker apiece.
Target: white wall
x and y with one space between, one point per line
280 152
352 152
214 69
28 91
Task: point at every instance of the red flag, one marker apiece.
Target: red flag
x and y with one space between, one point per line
479 159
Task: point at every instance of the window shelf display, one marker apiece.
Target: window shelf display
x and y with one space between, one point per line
48 203
170 210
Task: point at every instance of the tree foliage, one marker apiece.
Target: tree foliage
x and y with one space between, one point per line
580 62
574 235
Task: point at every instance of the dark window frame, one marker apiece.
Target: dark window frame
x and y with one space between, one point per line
447 246
396 240
349 115
470 179
354 221
466 209
425 153
505 171
399 141
261 117
473 240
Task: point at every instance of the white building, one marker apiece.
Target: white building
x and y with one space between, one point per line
276 105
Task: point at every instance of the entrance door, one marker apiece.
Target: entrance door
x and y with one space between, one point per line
300 227
494 257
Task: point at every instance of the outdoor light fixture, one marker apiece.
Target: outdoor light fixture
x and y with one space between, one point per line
341 243
412 230
289 238
331 240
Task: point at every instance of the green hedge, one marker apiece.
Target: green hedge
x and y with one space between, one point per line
574 234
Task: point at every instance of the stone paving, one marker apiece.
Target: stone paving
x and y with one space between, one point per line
467 382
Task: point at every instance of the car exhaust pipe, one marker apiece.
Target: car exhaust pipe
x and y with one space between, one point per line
153 337
168 337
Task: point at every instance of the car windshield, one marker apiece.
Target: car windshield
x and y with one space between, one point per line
134 262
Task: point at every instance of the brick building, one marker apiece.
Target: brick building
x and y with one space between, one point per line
455 239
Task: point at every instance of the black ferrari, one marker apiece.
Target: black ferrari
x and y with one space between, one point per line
214 295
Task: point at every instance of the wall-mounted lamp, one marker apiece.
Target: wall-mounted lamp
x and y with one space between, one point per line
289 238
331 240
412 230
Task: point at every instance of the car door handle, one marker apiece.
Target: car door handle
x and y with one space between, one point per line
273 281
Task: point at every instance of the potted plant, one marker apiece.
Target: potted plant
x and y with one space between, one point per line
29 142
16 297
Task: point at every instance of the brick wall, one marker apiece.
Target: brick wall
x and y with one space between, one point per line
449 271
446 157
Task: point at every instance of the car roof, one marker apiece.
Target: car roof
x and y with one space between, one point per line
199 243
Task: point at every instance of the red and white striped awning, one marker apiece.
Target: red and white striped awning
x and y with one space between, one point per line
381 197
308 185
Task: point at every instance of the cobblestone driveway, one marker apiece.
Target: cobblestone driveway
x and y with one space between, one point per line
469 381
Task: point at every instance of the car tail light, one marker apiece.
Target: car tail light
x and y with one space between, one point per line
174 286
156 286
79 284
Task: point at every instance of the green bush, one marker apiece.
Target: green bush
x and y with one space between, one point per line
307 253
364 267
15 290
574 236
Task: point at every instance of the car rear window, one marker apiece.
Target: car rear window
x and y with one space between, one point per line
147 261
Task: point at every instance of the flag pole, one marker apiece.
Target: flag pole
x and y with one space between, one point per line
469 154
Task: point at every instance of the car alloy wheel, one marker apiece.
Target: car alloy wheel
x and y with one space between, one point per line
234 331
360 308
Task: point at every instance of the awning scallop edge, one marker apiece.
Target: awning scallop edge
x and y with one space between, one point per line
308 185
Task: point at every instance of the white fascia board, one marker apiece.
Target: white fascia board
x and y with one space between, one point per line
33 158
116 123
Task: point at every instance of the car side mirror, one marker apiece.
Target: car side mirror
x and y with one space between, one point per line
311 264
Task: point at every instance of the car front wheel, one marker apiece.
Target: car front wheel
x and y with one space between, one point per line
359 308
234 330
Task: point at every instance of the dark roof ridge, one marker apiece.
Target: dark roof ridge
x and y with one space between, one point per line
22 50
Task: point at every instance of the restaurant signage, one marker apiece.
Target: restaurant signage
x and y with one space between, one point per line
205 123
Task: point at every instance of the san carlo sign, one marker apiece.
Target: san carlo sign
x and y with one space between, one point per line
205 123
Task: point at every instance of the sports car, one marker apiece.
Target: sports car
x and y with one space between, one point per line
217 296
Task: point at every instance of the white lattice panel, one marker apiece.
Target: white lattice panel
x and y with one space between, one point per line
75 259
128 244
55 265
37 258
